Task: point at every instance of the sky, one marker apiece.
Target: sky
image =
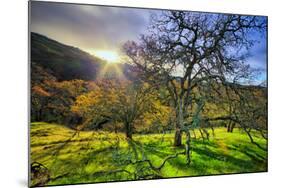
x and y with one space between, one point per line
100 29
88 27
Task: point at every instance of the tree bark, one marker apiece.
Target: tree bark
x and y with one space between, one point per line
177 141
129 135
39 114
129 132
188 147
179 123
230 127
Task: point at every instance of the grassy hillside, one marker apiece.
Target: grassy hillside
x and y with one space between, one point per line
66 62
102 156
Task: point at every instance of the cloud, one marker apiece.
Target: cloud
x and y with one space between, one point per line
107 28
258 53
86 26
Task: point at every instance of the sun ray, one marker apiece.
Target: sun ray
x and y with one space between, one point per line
109 56
111 70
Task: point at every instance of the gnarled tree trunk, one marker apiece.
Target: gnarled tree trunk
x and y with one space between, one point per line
188 147
177 140
230 127
129 130
179 123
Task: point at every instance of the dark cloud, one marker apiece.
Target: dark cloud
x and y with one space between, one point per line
86 26
107 28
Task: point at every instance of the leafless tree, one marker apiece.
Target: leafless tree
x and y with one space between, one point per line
186 49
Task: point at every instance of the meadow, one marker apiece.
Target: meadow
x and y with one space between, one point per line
183 94
98 156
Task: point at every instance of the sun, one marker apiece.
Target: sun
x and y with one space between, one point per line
109 56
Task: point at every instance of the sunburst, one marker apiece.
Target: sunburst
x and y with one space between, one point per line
109 56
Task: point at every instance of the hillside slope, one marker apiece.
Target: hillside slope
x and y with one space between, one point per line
87 156
65 62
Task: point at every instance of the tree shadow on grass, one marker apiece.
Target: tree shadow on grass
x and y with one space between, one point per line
76 165
208 153
247 164
151 151
137 150
164 150
250 152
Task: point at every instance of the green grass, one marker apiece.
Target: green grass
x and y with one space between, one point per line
89 156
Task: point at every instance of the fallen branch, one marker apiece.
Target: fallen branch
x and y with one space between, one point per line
161 165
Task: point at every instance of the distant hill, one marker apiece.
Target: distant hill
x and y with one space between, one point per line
63 61
53 60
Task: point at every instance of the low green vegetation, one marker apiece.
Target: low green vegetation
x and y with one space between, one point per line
97 156
182 100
